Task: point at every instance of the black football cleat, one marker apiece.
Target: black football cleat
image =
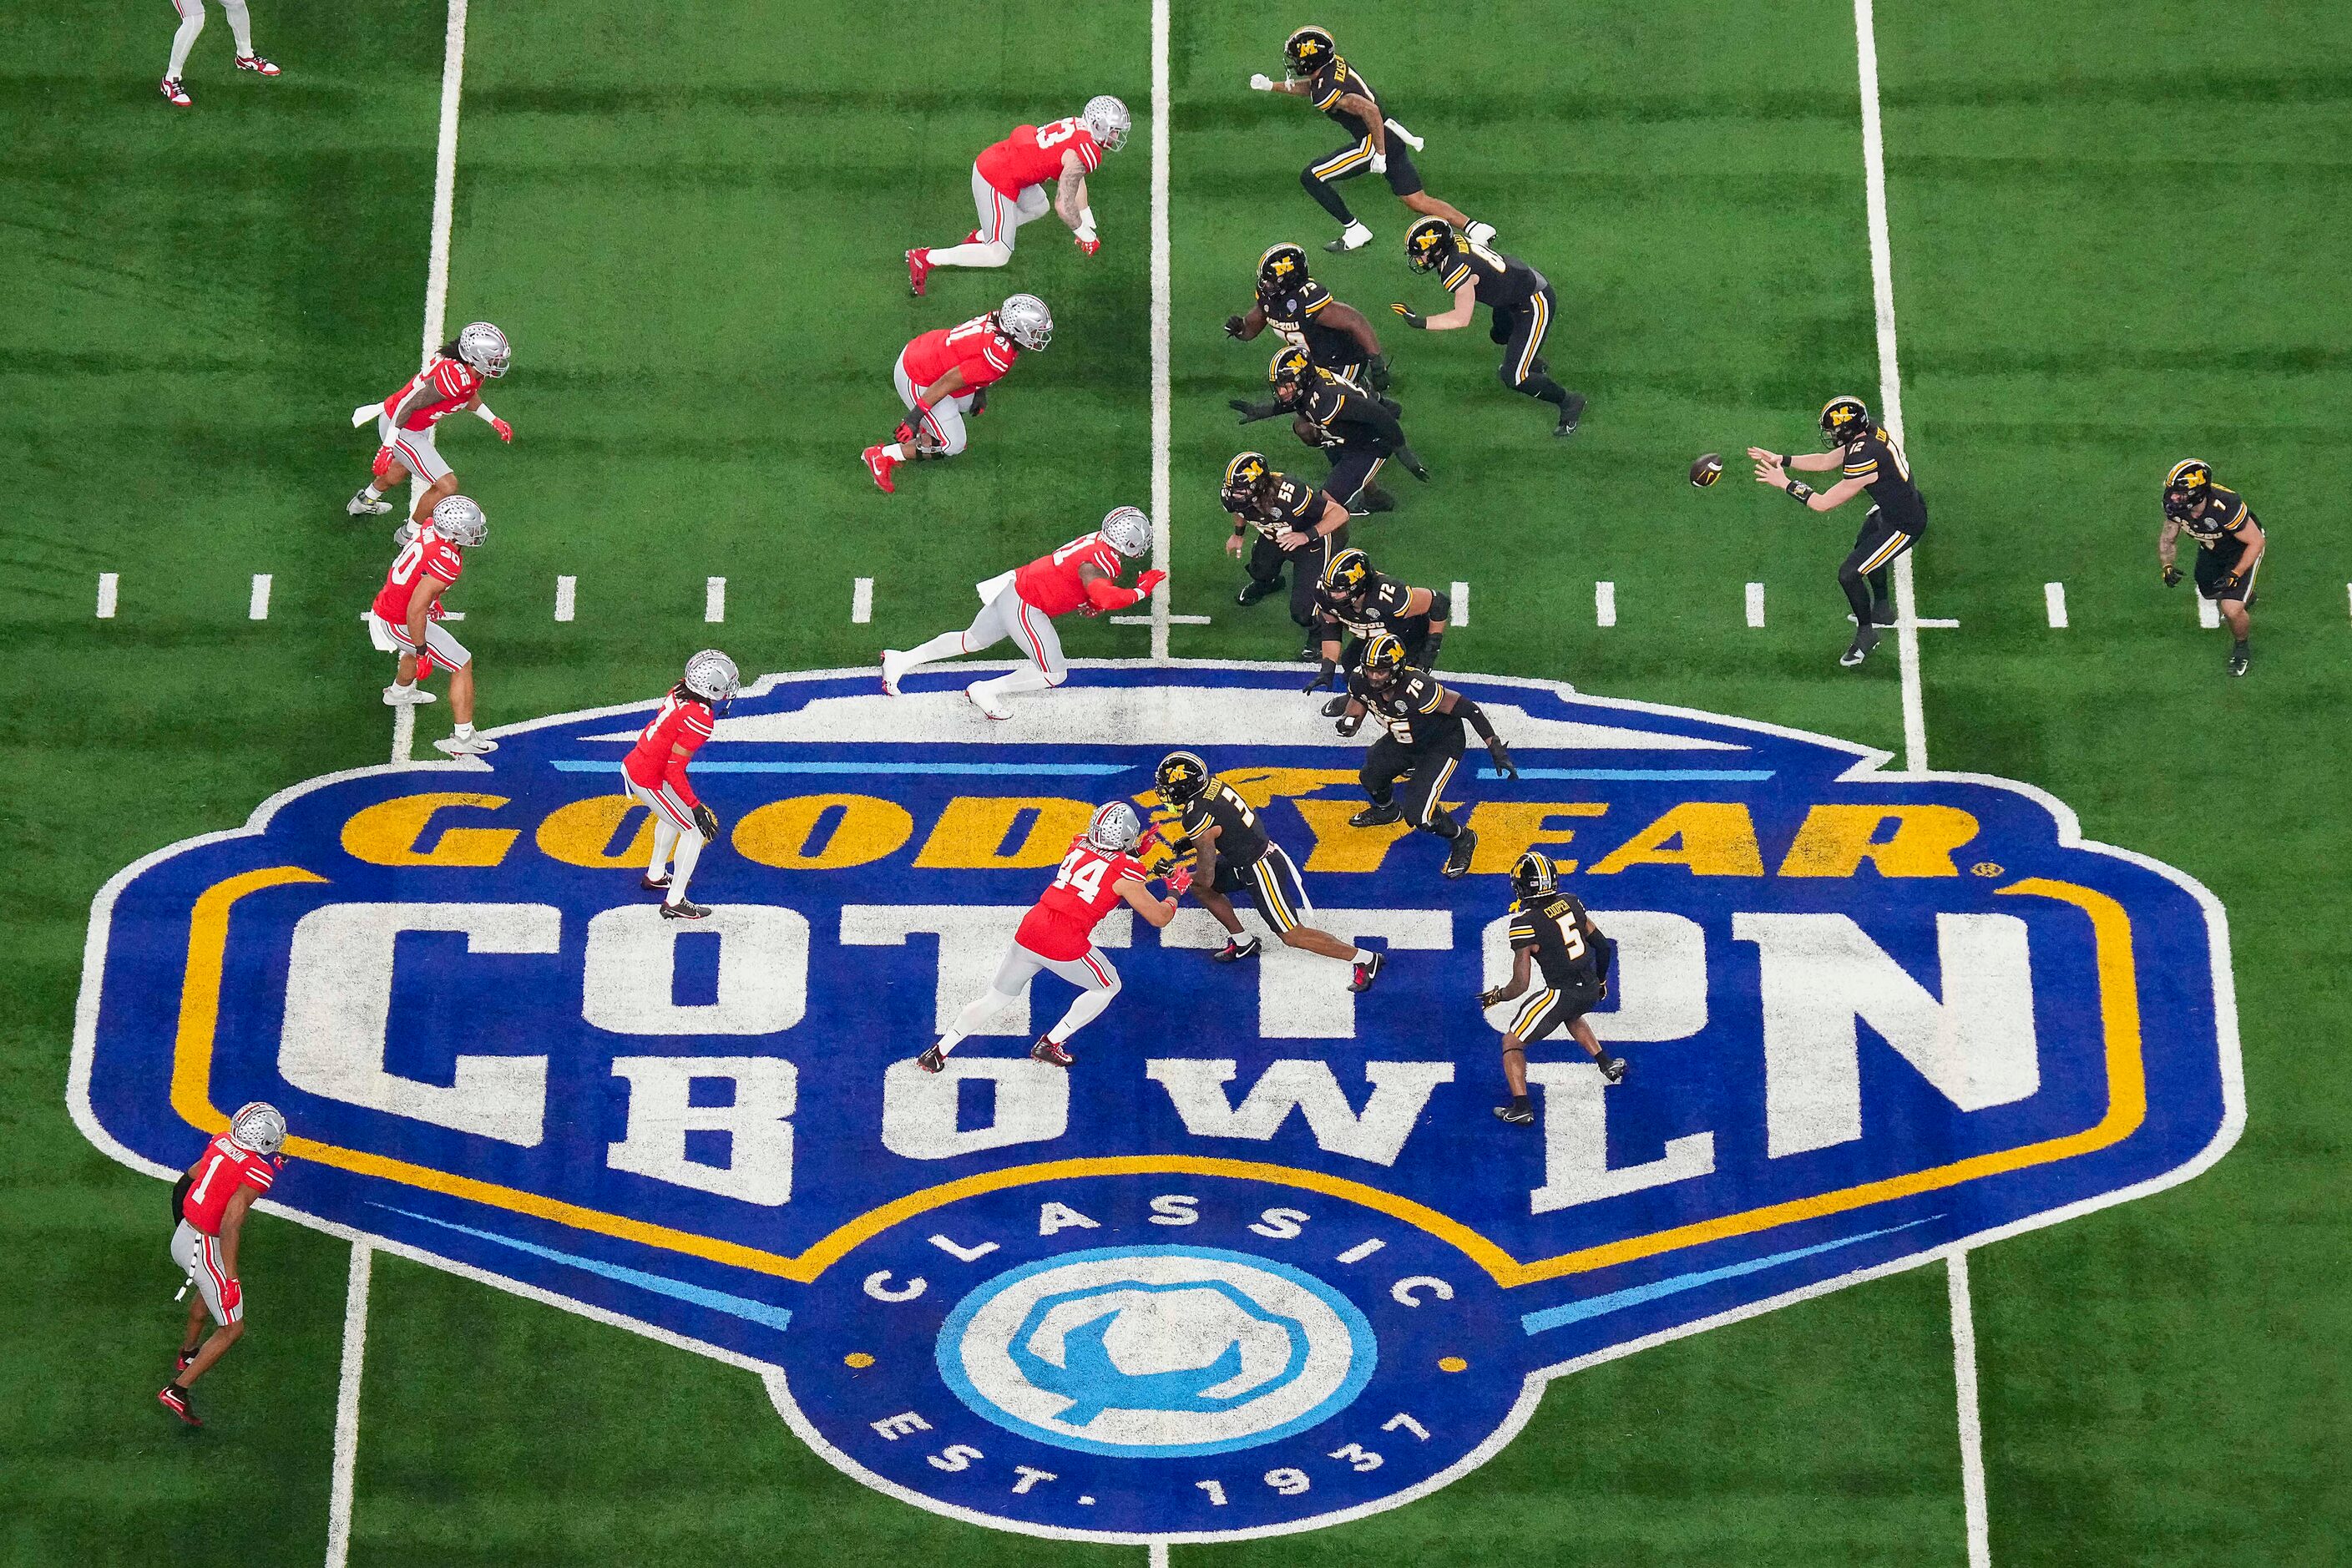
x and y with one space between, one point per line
1612 1068
176 1400
1457 858
1881 616
932 1060
1376 815
1570 412
1517 1115
1865 639
685 910
1256 589
1046 1050
1337 706
1372 499
1236 950
652 884
2239 658
1368 972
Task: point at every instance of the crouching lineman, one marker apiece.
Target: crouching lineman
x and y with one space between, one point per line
408 610
944 375
1299 526
2229 544
1421 748
1230 853
1871 458
1551 929
1360 603
1008 187
1336 337
1082 575
1057 934
654 773
450 383
209 1205
1519 296
1356 430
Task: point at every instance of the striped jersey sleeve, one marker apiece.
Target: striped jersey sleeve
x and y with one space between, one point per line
1459 276
1523 927
1861 461
1089 151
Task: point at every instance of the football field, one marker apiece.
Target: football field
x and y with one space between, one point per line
2058 248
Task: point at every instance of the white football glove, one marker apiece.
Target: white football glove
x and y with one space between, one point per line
1260 82
1379 163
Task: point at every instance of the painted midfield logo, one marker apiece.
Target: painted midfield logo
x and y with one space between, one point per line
1262 1260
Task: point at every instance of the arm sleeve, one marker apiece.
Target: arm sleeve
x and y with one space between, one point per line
1365 411
1470 713
1105 595
1440 605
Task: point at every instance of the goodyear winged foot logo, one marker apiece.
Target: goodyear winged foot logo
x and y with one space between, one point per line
1262 1260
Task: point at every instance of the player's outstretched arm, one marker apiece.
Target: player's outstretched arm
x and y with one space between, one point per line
1522 961
1147 904
1247 324
2168 548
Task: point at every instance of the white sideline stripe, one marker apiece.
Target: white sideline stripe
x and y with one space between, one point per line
714 600
861 601
347 1405
108 585
1755 604
1160 620
1155 1555
1970 1416
257 604
2209 612
1605 603
1161 310
567 593
1460 603
2054 598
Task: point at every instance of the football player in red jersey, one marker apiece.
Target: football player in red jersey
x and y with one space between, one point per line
450 383
1082 575
191 23
209 1203
654 772
1008 186
407 612
945 374
1099 873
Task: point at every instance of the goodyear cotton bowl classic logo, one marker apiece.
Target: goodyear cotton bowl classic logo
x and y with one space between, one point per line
1263 1258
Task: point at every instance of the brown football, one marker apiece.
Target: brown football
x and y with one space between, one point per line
1705 471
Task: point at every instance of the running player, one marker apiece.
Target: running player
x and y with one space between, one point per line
1870 459
1312 69
2229 544
1082 575
945 374
1232 853
209 1205
450 383
654 773
1299 525
1356 430
1519 296
408 610
1421 748
1334 335
1008 187
191 23
1057 934
1551 929
1358 603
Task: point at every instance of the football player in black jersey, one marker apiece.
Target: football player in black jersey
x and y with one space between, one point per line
1356 430
1299 525
1519 296
2229 546
1335 335
1421 748
1868 458
1293 360
1359 603
1550 930
1230 853
1312 69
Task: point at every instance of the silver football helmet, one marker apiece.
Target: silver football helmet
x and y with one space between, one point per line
711 676
1024 318
258 1126
1128 530
1116 830
1107 117
484 347
459 520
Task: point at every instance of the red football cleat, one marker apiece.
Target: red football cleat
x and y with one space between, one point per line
879 463
176 93
174 1398
919 268
1052 1052
257 65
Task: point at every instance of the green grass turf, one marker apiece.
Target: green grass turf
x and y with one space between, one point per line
2113 246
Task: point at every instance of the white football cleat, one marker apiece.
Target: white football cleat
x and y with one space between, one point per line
177 94
1479 233
892 670
986 702
466 746
1355 237
360 506
257 65
403 535
399 696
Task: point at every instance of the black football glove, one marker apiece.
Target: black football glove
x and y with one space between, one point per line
1489 998
1412 317
708 821
1323 678
1413 464
1337 706
1502 755
1235 326
1376 372
2172 576
1349 723
2233 579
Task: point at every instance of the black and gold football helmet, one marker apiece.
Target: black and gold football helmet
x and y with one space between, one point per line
1345 577
2186 488
1243 477
1282 267
1291 382
1844 419
1308 50
1182 777
1429 243
1383 659
1290 357
1533 875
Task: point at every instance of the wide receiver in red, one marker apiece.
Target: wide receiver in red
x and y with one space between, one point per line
654 772
407 612
209 1203
1082 575
1008 186
450 383
945 374
1099 873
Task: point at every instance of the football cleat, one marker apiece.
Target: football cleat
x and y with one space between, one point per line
1865 639
1844 418
1257 588
399 696
176 1400
1612 1068
1050 1051
360 506
1372 499
1337 706
1106 118
465 746
179 98
879 463
1573 410
1376 816
1517 1115
1368 972
257 65
1429 244
403 534
1355 237
890 677
1024 318
932 1060
712 675
2239 659
685 909
459 520
986 702
652 884
1237 948
918 273
1457 856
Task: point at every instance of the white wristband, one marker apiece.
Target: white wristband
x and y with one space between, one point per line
1086 222
482 411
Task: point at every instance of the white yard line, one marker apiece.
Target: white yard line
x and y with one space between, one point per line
861 601
1155 1554
714 600
1460 604
109 585
2054 599
1755 604
257 604
1605 603
567 595
1915 727
347 1402
1161 312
